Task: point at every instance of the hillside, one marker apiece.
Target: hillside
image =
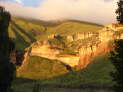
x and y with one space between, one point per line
26 31
23 33
72 27
92 50
74 50
41 68
47 44
95 78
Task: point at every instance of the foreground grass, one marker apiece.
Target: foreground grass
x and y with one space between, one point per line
95 78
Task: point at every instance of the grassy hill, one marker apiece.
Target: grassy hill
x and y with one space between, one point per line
23 33
95 78
26 31
41 68
71 27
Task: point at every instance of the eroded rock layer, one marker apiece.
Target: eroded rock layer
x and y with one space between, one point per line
78 49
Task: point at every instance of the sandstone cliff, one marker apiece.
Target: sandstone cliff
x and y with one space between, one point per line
83 46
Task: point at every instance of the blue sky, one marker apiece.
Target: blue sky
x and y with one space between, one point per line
33 3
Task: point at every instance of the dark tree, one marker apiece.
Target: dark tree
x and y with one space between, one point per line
7 69
117 60
119 11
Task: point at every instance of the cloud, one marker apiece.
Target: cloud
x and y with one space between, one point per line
97 11
19 10
19 1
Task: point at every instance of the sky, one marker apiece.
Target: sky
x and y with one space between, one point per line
96 11
33 3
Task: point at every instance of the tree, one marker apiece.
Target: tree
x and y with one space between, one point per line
117 60
7 69
119 11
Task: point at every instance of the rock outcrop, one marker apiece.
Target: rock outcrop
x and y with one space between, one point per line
86 45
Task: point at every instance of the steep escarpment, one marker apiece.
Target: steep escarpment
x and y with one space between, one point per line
76 50
101 44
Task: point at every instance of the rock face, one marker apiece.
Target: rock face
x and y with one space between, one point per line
80 36
71 60
44 49
87 45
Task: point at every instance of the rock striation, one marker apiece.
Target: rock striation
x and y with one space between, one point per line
85 46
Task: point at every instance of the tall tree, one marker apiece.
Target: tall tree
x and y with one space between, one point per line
7 69
119 11
117 60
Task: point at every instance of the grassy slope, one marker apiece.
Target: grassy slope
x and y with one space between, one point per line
97 73
41 68
19 31
25 31
71 27
95 78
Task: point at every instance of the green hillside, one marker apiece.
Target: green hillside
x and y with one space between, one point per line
26 31
95 78
23 33
72 27
96 74
40 68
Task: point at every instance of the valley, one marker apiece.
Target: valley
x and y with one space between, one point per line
64 51
61 46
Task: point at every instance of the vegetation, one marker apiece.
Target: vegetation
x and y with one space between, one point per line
25 31
117 60
95 78
41 68
7 69
119 11
72 27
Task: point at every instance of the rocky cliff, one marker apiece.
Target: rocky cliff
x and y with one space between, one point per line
76 50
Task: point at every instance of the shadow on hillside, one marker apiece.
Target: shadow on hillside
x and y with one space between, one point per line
23 31
20 38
